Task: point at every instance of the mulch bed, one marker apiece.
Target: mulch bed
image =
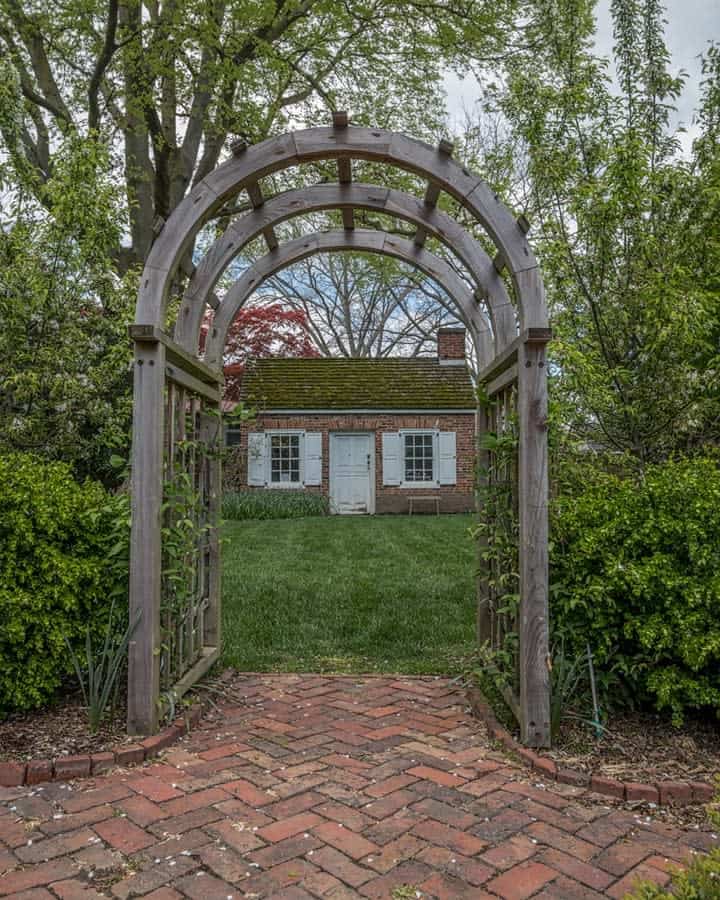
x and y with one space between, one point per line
59 729
641 747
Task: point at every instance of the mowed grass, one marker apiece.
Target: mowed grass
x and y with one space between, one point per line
347 594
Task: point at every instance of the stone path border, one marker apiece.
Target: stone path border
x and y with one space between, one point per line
662 793
66 768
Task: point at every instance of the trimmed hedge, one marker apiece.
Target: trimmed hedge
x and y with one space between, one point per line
636 574
58 568
268 504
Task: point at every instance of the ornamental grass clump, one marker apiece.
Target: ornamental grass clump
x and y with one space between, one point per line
262 504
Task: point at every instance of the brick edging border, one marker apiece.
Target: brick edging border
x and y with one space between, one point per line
662 793
65 768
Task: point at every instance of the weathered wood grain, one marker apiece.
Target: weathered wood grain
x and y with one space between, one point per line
533 514
145 536
355 196
283 151
175 353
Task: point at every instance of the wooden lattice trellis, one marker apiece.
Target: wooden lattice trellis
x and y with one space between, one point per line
512 491
183 630
176 401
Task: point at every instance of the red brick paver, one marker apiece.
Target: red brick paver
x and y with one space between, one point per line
330 787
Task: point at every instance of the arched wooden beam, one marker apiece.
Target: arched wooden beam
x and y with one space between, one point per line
344 196
358 240
295 148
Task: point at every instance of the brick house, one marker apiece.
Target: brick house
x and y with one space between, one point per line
370 434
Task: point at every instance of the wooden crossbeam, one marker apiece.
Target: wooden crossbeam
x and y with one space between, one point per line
432 194
176 355
344 165
254 192
344 170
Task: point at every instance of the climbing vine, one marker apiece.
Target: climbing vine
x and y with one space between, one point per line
497 534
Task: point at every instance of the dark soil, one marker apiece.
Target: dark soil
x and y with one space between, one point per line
59 729
641 747
634 746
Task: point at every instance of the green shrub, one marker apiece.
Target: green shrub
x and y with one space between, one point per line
264 504
63 555
636 573
700 881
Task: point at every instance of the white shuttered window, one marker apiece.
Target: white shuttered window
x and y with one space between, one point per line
284 459
415 458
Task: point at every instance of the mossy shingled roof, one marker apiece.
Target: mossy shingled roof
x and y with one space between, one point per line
341 383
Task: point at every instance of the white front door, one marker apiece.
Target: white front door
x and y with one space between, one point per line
352 467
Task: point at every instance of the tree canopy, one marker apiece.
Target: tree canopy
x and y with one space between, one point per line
169 83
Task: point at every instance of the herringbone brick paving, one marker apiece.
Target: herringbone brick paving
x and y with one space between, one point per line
336 787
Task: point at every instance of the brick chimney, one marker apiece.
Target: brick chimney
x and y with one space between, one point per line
451 346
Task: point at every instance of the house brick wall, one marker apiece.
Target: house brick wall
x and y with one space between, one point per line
388 499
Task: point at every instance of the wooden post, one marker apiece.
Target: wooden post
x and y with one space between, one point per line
145 536
533 513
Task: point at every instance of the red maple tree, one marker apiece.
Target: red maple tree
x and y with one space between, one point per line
259 332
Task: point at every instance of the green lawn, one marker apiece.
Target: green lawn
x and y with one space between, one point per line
346 594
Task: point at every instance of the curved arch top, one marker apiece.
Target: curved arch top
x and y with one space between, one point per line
312 144
359 240
338 196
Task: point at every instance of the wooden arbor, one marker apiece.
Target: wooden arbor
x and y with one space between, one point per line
174 579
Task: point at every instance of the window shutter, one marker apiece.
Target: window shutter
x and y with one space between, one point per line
391 458
313 458
256 459
447 458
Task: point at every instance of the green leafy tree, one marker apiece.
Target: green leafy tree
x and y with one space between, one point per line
626 237
65 381
169 84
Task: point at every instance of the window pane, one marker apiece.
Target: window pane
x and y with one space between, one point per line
285 458
419 457
232 435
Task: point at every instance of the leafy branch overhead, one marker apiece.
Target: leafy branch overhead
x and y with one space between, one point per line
169 84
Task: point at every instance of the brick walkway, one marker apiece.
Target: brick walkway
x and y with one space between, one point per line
309 787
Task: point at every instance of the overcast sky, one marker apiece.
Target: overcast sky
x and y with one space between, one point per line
691 25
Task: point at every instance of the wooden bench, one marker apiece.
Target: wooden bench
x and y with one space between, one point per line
426 499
